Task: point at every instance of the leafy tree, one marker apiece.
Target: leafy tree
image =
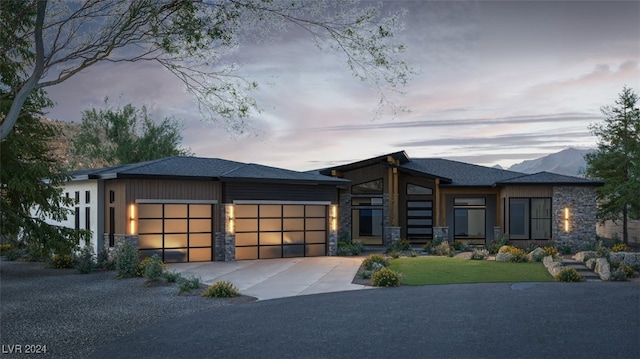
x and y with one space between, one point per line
26 198
118 136
617 160
51 41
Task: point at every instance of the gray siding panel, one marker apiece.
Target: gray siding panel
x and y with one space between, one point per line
278 192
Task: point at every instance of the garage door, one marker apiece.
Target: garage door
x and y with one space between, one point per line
280 230
177 232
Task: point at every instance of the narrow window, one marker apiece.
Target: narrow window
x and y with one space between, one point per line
371 187
112 226
77 196
415 189
112 196
87 197
87 218
77 218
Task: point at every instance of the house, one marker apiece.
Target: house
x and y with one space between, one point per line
201 209
393 196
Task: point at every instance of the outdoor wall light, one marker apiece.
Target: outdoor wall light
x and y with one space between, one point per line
231 218
132 219
333 217
566 219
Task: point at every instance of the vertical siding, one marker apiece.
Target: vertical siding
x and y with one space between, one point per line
278 192
521 192
367 174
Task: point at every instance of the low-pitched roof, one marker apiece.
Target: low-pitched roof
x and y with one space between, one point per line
549 178
183 167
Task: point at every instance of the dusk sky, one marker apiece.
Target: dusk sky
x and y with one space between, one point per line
498 82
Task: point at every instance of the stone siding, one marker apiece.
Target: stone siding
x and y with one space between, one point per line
344 217
581 202
442 232
391 234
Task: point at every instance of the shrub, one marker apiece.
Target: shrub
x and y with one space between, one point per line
126 259
601 250
569 275
372 259
442 249
395 254
618 274
436 241
385 278
5 247
86 262
352 248
154 269
104 261
620 247
366 274
221 289
13 254
186 285
62 261
399 245
141 265
628 270
550 251
479 254
495 245
460 246
413 254
172 277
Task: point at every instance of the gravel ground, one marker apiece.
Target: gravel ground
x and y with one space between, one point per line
72 314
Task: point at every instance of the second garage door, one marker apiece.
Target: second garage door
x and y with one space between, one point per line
280 230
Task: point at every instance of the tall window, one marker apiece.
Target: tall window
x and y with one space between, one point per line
367 212
469 221
87 197
87 218
77 218
530 218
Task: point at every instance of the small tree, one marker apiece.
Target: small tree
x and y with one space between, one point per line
125 135
617 160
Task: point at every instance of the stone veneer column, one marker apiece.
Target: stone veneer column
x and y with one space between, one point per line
391 234
344 217
442 232
581 202
333 242
497 232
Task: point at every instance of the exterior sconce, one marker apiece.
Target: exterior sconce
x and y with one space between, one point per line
231 219
333 217
566 219
132 219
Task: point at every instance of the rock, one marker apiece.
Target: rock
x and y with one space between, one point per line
548 261
503 257
590 263
554 270
631 259
538 252
584 255
616 256
602 269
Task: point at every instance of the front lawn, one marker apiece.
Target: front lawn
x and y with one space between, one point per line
446 270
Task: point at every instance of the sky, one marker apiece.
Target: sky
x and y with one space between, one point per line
497 83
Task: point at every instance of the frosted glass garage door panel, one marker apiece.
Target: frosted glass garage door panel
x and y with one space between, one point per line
271 211
270 238
246 239
246 225
246 253
246 211
149 211
316 211
315 250
293 211
316 237
149 241
199 254
200 240
199 225
175 226
150 226
175 255
293 251
313 224
200 211
175 240
270 252
175 211
293 224
271 224
293 237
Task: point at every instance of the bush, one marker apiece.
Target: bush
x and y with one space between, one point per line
395 254
372 259
618 275
172 277
436 241
569 275
399 246
620 247
442 249
628 270
352 248
126 259
13 254
601 250
479 254
62 261
221 289
5 247
517 255
153 270
495 245
413 254
86 262
550 251
385 278
104 261
186 285
367 273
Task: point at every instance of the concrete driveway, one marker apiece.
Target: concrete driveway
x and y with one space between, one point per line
279 278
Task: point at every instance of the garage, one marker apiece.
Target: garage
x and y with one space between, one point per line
280 230
177 231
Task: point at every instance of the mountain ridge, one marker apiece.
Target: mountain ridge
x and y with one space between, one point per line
569 162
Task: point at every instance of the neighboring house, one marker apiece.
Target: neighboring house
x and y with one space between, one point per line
203 209
393 196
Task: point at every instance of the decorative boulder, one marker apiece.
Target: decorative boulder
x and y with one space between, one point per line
584 255
536 253
555 268
547 261
616 256
631 259
590 263
503 257
602 269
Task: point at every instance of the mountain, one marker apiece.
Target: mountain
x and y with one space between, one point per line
568 162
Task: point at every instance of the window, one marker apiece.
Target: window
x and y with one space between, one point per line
372 187
77 197
87 197
415 189
87 218
530 218
470 218
419 221
367 219
112 196
112 226
77 217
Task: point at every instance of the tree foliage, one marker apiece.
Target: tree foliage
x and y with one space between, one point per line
617 160
53 40
29 189
118 136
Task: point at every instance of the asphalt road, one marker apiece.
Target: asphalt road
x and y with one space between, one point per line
523 320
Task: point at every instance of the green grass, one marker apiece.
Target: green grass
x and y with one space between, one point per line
446 270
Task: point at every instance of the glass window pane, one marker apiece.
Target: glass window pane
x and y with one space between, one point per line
419 213
246 253
419 204
418 230
476 223
540 208
149 226
199 225
315 250
359 201
316 211
367 222
146 253
316 237
175 226
246 239
270 225
199 254
200 211
541 229
372 187
271 210
267 238
315 224
293 237
200 240
419 222
175 240
175 255
461 222
293 211
246 225
519 218
293 251
246 211
271 252
415 189
149 210
149 241
175 211
293 224
469 201
376 201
